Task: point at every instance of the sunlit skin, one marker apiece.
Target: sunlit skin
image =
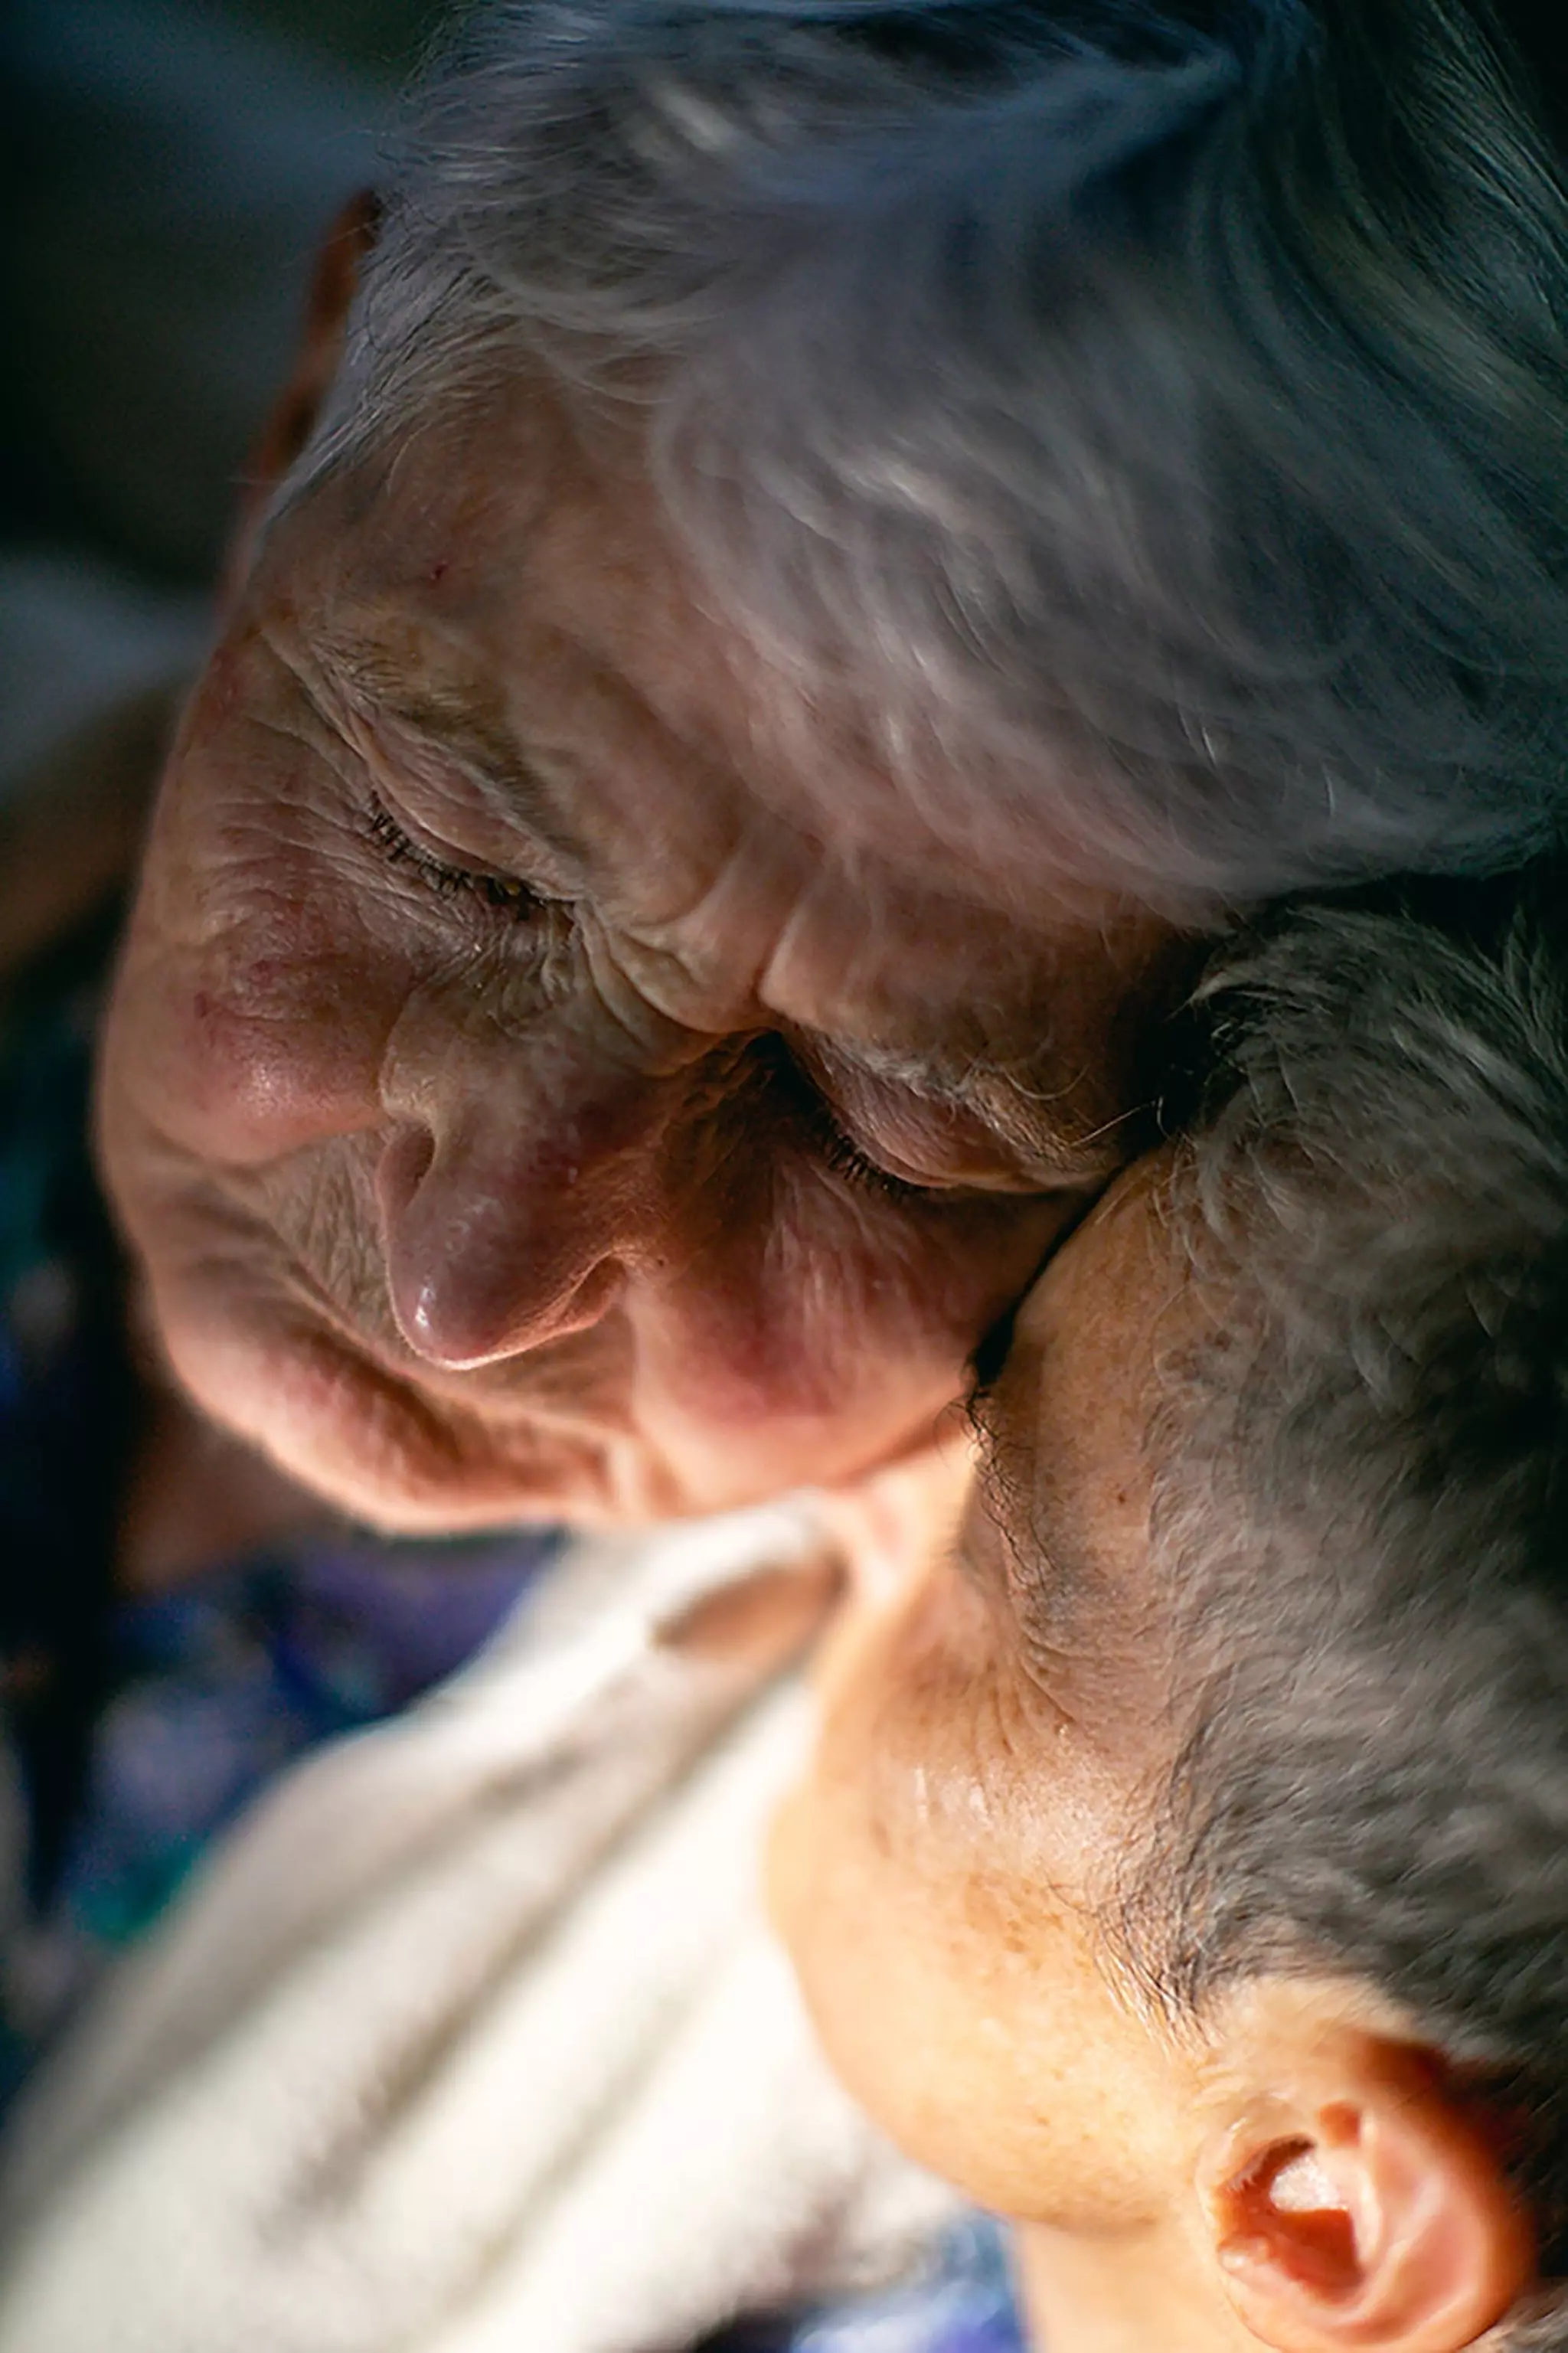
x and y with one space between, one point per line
938 1875
546 1075
993 1733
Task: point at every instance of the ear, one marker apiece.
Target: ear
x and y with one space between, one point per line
1366 2212
294 411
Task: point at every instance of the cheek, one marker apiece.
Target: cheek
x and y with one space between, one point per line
860 1303
873 1856
969 2014
921 1879
247 1056
911 1955
256 989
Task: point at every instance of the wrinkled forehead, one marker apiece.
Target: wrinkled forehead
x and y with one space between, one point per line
502 593
534 532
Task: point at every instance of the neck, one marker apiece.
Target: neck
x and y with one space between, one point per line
1122 2293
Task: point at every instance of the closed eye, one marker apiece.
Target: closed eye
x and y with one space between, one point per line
845 1157
400 848
817 1125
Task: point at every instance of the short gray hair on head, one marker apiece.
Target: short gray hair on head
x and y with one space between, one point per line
1361 1502
1149 416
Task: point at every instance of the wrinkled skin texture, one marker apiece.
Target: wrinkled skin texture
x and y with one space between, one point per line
544 1076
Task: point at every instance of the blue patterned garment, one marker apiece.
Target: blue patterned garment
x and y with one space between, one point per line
965 2304
961 2301
142 1729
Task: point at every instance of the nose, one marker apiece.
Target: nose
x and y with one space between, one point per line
517 1177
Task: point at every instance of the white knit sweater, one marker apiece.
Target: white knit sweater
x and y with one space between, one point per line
473 2039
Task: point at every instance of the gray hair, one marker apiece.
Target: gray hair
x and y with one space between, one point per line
1362 1506
1151 419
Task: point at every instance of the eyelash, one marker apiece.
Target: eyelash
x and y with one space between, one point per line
844 1157
513 898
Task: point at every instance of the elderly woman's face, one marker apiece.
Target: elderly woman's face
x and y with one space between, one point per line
546 1075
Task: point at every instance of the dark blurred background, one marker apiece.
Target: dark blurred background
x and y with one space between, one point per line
167 168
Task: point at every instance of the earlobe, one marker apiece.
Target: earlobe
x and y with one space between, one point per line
1375 2223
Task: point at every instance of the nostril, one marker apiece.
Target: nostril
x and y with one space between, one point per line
404 1165
491 1245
